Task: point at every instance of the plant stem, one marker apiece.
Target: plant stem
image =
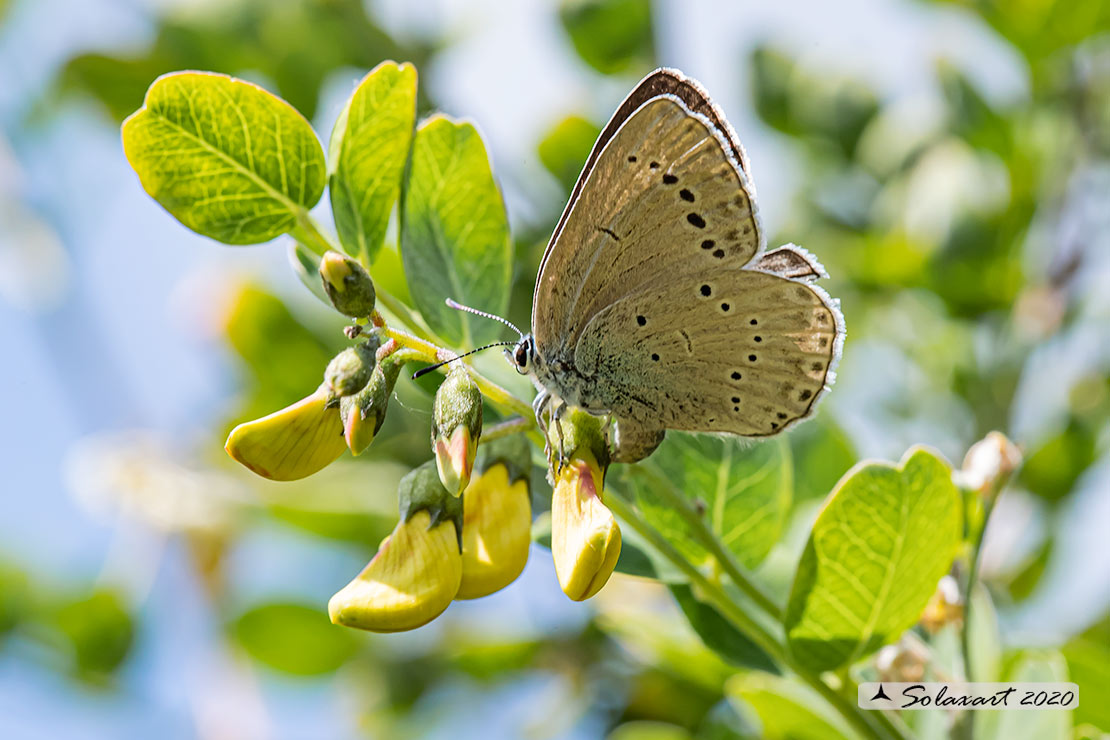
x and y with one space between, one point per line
307 233
860 721
506 428
725 558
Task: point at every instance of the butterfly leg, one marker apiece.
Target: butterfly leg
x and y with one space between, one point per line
556 415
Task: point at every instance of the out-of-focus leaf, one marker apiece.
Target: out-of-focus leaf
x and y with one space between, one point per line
294 638
1089 666
339 502
809 104
306 266
14 598
984 641
285 360
1050 471
647 730
877 550
296 44
786 710
742 491
565 148
100 630
1031 666
490 660
455 233
822 453
368 151
718 634
223 156
610 35
1028 578
723 722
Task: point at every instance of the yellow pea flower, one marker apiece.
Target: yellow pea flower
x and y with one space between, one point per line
417 570
293 443
585 538
497 519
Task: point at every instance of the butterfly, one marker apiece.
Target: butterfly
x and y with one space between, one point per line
656 303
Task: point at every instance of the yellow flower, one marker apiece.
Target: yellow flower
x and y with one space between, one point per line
497 518
411 580
292 443
585 538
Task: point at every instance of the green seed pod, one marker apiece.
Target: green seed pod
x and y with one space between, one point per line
350 370
348 285
456 427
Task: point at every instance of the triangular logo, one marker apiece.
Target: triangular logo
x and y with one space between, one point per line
880 694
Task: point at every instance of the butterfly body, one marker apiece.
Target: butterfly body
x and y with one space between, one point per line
655 302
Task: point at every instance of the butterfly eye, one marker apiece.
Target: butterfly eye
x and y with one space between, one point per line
520 357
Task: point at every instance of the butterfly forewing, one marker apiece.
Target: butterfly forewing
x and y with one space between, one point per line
663 198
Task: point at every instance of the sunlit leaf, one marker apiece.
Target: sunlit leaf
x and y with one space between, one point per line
368 151
741 490
1031 666
786 709
294 638
1089 666
226 158
877 550
454 232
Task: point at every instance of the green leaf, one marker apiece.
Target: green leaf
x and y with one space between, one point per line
877 550
1031 666
306 266
648 730
984 641
565 148
786 709
100 630
368 151
454 232
610 35
1089 666
294 638
223 156
718 634
822 453
743 490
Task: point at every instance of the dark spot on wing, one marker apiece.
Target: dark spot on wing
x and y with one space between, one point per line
759 339
781 415
632 158
641 320
725 307
706 291
735 375
686 195
708 244
654 357
751 358
719 253
696 220
655 166
804 395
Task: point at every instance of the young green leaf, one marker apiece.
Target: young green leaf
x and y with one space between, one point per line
306 265
740 491
718 634
368 150
884 538
786 709
454 232
224 157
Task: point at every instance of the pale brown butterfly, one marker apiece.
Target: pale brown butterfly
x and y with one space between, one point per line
655 301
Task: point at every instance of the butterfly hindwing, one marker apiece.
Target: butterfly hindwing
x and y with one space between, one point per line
744 352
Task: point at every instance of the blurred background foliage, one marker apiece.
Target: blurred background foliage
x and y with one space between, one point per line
965 230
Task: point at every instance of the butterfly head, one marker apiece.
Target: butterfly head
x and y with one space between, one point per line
522 355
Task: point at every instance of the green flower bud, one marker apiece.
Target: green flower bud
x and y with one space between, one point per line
350 370
456 427
421 490
364 412
348 285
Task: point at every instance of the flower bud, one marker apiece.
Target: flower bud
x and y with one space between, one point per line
456 427
497 518
292 443
989 464
417 570
348 285
585 538
349 371
364 412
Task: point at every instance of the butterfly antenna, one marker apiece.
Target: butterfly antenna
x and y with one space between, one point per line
438 365
460 307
